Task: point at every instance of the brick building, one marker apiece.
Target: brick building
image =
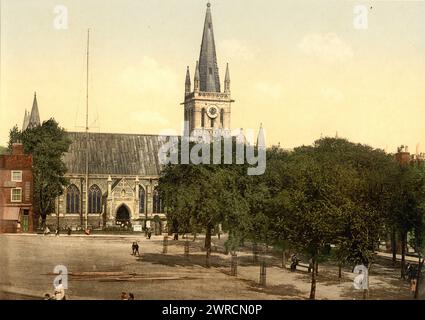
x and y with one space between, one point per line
16 188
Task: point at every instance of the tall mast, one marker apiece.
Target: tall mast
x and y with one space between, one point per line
87 135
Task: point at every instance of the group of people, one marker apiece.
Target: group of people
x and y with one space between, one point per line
58 294
125 296
46 231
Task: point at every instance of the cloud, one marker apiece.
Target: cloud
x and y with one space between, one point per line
148 117
328 47
235 48
149 77
273 90
332 94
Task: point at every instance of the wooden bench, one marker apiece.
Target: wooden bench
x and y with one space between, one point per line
305 265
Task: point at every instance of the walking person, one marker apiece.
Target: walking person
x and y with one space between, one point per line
124 296
130 296
136 249
46 231
294 262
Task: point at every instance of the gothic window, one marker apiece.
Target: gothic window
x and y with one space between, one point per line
222 118
142 198
72 199
157 202
95 199
203 118
212 123
210 70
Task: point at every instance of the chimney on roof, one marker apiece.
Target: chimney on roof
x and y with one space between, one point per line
17 149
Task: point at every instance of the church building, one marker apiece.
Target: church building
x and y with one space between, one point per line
118 184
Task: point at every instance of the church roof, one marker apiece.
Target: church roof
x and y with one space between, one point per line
114 154
208 69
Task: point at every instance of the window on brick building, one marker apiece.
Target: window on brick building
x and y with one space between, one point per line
17 176
16 195
72 199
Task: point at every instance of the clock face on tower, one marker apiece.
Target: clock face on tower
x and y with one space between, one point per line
212 112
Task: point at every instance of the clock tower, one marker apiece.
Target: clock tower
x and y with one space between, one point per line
207 108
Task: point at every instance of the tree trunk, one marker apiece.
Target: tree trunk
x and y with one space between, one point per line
403 255
254 252
208 245
418 279
317 268
313 279
394 246
43 220
339 271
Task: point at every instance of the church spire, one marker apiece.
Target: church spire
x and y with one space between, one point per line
227 80
34 117
187 83
208 69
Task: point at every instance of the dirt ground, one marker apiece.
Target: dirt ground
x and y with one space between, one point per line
101 267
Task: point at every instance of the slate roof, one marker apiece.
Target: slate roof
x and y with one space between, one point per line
114 154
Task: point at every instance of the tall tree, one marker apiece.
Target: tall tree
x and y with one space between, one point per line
47 144
14 136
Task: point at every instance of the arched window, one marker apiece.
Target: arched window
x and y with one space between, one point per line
72 199
142 198
222 118
157 202
203 118
95 199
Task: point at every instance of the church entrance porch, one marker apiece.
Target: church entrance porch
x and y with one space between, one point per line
123 216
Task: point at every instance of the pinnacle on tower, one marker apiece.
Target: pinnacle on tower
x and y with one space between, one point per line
34 116
227 80
208 69
187 82
197 78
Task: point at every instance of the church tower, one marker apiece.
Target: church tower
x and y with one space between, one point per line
206 108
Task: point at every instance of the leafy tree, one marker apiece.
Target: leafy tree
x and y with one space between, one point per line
14 136
47 144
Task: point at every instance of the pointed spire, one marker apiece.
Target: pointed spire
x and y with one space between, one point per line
25 124
197 78
227 80
208 69
34 117
187 83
